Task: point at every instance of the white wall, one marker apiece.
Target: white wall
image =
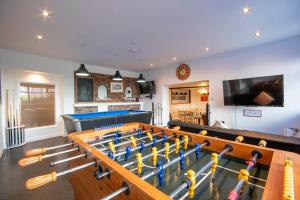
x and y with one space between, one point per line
282 57
12 80
53 71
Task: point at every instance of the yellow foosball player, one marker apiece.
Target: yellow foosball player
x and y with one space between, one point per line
133 142
192 178
177 145
288 180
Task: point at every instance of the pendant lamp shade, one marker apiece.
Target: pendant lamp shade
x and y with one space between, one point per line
82 71
117 76
141 79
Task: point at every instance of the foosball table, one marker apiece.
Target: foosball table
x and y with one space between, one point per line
141 161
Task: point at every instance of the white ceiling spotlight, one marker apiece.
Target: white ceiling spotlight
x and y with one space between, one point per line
174 58
246 10
257 34
206 49
151 65
45 13
39 37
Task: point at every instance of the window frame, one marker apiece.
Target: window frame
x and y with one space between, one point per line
54 125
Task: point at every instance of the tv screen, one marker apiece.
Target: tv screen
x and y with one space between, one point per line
147 88
259 91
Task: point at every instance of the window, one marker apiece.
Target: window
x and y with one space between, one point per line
37 105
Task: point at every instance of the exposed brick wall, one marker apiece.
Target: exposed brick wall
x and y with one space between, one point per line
86 109
124 107
104 79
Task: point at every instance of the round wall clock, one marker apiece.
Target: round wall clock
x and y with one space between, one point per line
183 72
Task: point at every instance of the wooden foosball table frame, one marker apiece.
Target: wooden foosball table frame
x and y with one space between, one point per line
86 186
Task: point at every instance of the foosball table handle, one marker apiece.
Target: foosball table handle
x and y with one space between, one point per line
35 152
30 160
40 180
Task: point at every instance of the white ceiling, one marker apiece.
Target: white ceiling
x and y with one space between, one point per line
157 29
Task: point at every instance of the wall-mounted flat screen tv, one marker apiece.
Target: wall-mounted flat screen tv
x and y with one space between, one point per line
259 91
147 88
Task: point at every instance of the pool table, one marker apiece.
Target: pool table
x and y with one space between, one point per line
91 121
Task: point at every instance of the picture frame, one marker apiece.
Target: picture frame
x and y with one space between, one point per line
252 113
116 87
85 89
180 96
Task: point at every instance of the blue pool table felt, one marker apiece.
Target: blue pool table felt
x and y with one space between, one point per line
104 114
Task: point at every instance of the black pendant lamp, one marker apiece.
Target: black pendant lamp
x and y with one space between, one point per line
117 76
141 79
82 71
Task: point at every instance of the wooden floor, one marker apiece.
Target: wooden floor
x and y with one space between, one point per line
12 177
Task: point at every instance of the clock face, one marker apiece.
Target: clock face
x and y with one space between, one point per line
183 72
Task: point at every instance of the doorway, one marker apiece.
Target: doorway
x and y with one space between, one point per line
188 102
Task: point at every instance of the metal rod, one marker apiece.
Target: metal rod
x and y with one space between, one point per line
59 153
76 168
66 159
115 193
168 164
137 148
59 146
134 161
127 142
239 185
150 174
111 135
82 155
66 151
185 184
123 137
87 140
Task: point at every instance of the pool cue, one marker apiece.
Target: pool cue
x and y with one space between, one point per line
8 119
34 159
19 123
13 117
9 132
187 182
47 178
244 173
17 128
34 152
103 174
10 127
103 149
153 172
14 129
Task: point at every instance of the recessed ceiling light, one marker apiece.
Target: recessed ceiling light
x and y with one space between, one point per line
257 34
245 10
174 58
151 65
206 49
40 37
45 13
